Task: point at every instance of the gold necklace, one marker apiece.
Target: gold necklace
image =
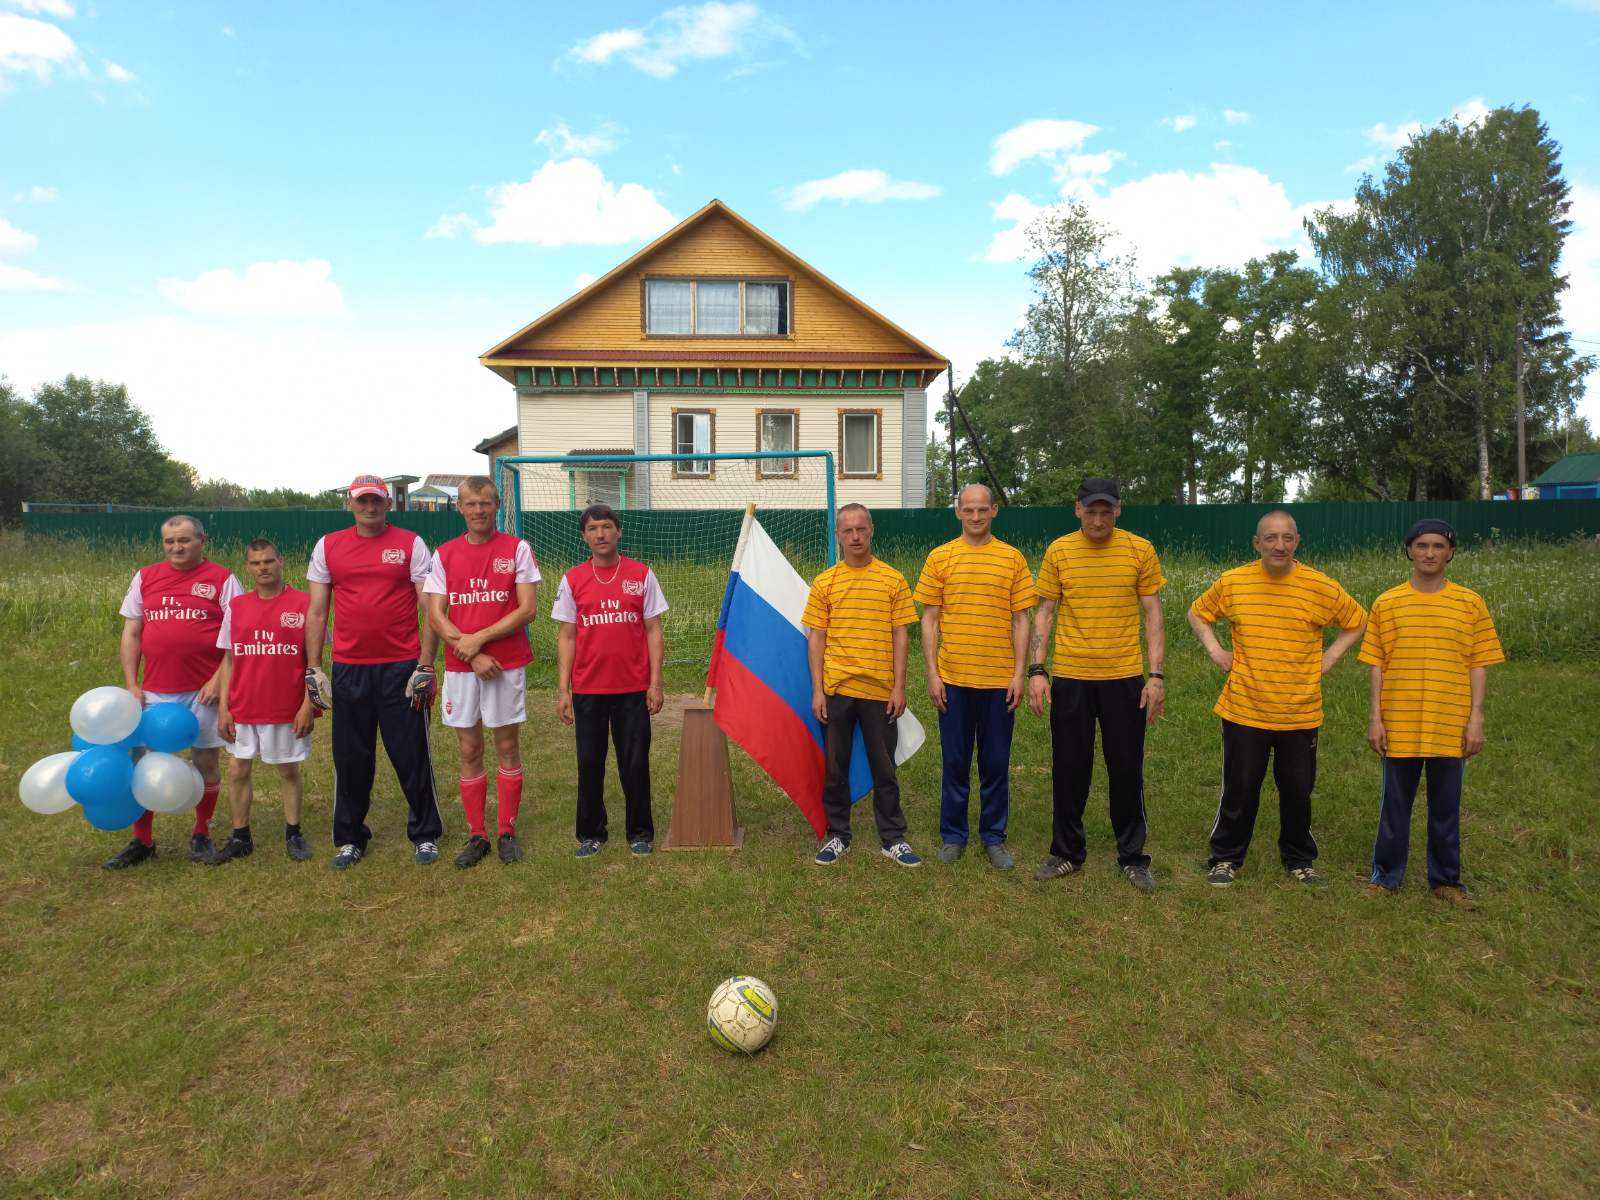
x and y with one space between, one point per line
596 574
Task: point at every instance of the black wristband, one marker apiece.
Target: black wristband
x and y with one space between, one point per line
1158 675
1037 671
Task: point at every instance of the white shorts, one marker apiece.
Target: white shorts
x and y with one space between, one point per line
207 714
469 701
271 743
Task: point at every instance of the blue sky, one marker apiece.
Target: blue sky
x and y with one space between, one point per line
291 228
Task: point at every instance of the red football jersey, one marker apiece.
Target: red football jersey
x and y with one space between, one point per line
182 612
268 640
609 609
480 583
374 592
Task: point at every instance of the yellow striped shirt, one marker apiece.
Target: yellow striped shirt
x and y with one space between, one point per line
1099 585
1276 681
859 607
977 589
1425 643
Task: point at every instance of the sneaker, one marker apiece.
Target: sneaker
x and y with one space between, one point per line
832 850
473 853
902 853
951 852
347 857
1054 867
131 855
1309 876
999 857
640 848
1222 874
231 849
200 848
1455 896
587 848
427 852
295 847
1378 891
1140 877
510 851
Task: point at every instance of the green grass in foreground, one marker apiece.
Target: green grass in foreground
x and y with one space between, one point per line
277 1029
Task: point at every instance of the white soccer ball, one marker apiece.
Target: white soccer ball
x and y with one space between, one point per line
742 1014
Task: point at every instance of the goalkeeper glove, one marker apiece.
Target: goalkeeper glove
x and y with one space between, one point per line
421 687
318 690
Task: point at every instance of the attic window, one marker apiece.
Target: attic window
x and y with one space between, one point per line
716 307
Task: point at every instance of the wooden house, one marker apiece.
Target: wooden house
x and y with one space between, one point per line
716 338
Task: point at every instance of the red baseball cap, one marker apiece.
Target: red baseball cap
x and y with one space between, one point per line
368 485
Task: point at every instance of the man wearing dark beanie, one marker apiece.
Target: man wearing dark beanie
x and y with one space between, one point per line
1429 643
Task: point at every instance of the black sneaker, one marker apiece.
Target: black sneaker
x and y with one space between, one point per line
295 847
347 857
200 848
231 849
131 855
1221 874
473 853
1054 867
510 850
1309 876
1140 877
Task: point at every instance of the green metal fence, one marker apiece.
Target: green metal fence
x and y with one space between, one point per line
1218 530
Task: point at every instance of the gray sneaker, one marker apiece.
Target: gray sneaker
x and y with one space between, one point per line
588 848
1140 877
952 851
1309 876
1053 868
427 852
999 857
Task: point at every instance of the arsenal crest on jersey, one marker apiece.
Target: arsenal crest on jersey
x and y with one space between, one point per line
633 587
292 620
206 591
394 556
504 566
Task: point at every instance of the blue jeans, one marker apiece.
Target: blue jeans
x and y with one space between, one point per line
975 715
1393 847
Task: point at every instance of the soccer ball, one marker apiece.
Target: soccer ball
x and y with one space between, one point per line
742 1014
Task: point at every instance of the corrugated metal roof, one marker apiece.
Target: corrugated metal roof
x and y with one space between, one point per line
1574 468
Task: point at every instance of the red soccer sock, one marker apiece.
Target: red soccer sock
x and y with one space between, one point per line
203 811
474 795
144 829
508 798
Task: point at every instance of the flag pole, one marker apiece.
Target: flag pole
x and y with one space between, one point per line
738 557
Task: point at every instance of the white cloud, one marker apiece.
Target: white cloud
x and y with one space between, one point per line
451 225
563 143
20 279
14 240
1234 116
266 289
228 31
1393 138
49 8
118 73
686 34
571 202
869 186
33 47
1042 138
583 281
1182 123
37 194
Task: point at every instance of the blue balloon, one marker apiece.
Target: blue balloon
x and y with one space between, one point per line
168 727
102 775
116 813
131 742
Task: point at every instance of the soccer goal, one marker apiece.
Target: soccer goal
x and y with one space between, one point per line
681 515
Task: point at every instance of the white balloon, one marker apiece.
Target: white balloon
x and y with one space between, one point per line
43 786
104 715
197 785
161 783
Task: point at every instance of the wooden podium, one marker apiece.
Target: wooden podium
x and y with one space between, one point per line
702 809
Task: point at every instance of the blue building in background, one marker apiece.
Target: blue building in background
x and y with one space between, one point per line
1575 477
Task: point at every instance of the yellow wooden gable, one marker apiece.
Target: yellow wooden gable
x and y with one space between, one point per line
603 325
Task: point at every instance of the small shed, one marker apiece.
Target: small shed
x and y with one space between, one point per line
496 445
1575 477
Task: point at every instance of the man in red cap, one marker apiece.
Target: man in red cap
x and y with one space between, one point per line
171 616
383 678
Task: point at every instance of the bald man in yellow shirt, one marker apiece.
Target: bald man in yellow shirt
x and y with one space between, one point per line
1271 704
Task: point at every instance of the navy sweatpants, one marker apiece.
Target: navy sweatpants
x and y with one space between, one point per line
1393 847
975 717
369 699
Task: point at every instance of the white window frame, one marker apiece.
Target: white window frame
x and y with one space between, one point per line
777 468
846 415
694 468
786 307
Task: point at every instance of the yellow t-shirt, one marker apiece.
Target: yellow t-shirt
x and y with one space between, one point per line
977 589
1099 585
859 607
1276 681
1425 643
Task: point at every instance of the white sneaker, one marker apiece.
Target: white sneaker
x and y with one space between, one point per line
902 853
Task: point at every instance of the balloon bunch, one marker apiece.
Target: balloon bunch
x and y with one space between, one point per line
99 772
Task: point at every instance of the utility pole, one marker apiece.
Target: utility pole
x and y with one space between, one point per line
977 446
950 420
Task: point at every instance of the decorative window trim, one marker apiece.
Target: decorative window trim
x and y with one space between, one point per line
711 466
711 277
764 469
877 415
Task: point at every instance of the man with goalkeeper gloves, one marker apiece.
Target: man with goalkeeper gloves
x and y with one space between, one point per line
383 677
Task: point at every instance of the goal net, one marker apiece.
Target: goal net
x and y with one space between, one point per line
681 516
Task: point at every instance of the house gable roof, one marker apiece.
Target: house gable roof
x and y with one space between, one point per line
604 317
1574 468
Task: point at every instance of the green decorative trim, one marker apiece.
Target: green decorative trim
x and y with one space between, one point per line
524 377
830 379
810 379
545 376
563 376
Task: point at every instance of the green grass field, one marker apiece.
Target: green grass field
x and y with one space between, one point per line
278 1029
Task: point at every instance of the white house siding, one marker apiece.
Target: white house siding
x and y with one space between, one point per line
559 422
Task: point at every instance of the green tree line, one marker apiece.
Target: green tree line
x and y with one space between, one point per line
1421 357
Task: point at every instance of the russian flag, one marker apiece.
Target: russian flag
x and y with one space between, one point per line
763 679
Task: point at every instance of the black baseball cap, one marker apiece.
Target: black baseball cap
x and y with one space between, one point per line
1431 525
1108 490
